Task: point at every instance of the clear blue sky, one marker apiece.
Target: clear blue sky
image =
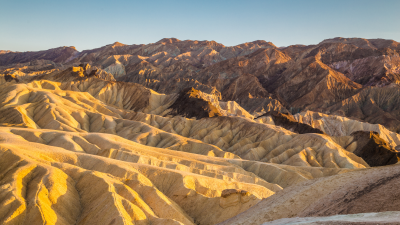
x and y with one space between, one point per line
31 25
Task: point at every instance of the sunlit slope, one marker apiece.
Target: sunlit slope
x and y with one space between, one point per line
101 177
230 137
194 132
342 126
78 148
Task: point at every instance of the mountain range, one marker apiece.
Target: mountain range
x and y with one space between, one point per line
195 132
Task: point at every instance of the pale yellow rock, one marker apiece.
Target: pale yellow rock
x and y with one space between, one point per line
90 151
342 126
120 174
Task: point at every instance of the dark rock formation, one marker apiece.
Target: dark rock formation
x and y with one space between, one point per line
288 122
190 103
227 192
373 149
9 78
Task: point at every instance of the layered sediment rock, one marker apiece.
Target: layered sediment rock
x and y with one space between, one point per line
194 132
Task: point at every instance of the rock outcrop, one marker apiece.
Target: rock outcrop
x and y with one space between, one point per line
191 103
373 149
288 122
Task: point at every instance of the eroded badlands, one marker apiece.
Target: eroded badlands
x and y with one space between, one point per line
188 132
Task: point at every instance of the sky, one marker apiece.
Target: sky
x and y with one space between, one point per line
32 25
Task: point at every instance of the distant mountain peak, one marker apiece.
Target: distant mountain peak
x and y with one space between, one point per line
4 51
116 44
168 41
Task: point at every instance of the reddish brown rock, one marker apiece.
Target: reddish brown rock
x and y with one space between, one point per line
58 55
